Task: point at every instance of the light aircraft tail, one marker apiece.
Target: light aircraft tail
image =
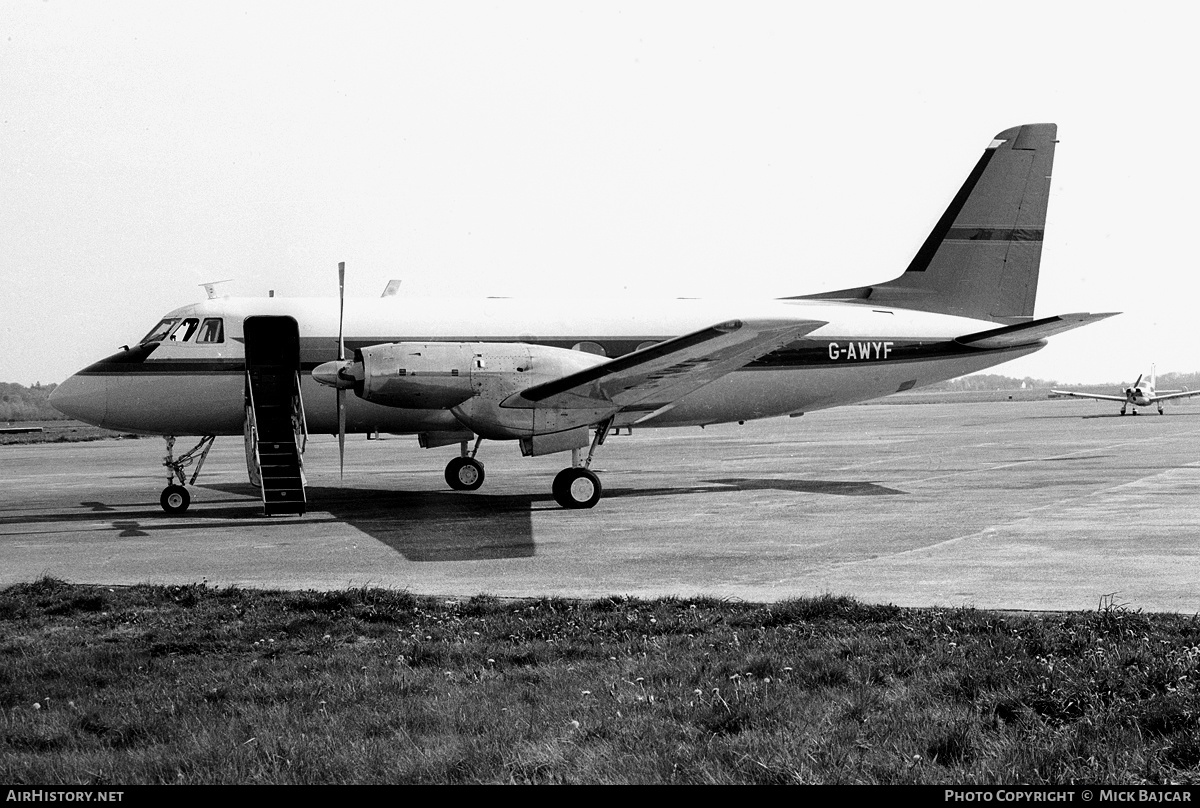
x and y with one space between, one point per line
982 258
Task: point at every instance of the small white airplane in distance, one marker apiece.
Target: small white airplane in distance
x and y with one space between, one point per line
557 376
1138 395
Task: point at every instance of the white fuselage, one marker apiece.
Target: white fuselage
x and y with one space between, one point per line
190 387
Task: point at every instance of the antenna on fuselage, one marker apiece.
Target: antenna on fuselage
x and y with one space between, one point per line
210 288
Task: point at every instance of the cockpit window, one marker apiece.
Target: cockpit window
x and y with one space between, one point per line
212 330
183 332
160 331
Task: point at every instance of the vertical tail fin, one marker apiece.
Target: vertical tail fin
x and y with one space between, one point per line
981 259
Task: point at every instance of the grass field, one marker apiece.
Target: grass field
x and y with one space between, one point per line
195 684
59 432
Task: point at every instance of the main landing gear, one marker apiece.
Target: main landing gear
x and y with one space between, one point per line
578 486
175 497
575 487
465 473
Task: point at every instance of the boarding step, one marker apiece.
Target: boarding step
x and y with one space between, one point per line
280 467
290 500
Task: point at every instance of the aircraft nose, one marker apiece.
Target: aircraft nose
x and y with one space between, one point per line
82 397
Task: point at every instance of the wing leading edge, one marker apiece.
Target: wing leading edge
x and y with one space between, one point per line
1180 394
656 376
1099 396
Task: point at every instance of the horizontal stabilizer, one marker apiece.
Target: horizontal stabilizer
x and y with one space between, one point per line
1012 336
669 370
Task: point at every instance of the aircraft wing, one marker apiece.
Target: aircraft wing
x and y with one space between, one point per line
1012 336
1179 394
1091 395
656 376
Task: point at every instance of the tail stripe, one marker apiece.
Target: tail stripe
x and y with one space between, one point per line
924 255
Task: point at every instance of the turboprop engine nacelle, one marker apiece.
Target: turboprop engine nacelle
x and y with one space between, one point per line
414 375
469 378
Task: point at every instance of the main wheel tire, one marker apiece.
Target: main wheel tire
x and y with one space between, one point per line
175 499
577 487
464 474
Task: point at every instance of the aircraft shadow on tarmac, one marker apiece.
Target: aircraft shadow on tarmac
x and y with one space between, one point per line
840 488
1139 416
429 526
457 526
420 525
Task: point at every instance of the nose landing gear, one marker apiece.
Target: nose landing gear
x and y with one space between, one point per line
175 497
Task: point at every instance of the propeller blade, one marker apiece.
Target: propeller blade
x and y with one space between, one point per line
341 401
341 404
341 307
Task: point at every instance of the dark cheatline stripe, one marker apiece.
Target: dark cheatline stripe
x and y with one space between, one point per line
812 354
925 255
158 368
802 353
994 234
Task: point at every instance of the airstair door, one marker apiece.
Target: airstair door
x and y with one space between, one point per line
275 411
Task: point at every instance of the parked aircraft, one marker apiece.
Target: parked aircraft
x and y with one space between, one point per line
1138 395
558 376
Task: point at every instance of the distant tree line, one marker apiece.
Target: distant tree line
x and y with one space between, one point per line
993 381
1165 381
19 403
987 381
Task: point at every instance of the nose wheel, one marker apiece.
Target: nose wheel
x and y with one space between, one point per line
175 499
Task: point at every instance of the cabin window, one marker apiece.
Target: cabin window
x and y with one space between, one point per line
183 332
212 330
590 347
160 331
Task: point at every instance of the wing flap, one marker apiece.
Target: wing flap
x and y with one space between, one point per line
1012 336
658 375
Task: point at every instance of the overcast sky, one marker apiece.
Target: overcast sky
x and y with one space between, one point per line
683 149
